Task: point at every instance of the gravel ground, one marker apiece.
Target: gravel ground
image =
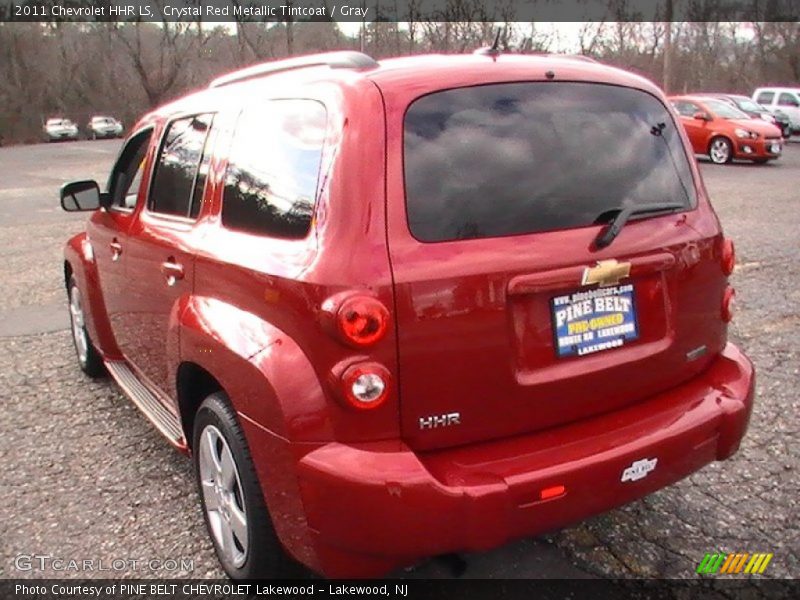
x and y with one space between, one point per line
86 477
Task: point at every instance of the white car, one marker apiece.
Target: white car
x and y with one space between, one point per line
787 100
104 127
60 129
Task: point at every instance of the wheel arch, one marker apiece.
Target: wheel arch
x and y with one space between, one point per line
266 375
717 135
79 263
193 384
274 392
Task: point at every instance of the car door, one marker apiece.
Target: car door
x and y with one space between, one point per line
789 103
160 250
108 228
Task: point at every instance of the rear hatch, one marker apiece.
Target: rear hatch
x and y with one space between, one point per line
510 319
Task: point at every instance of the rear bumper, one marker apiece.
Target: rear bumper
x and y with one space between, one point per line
374 507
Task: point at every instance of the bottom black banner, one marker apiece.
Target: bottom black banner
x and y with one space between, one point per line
463 589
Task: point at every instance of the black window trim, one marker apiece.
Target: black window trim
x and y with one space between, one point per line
693 206
120 209
147 208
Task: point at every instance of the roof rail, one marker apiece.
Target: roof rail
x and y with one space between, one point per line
582 57
335 60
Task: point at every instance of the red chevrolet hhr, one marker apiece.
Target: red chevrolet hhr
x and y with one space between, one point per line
406 308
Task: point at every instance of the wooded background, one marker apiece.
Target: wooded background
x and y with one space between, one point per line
76 70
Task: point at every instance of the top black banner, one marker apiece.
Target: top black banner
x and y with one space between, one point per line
397 10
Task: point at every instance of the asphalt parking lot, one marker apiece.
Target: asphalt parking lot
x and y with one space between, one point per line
84 476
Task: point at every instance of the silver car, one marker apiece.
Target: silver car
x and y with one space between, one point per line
104 127
60 129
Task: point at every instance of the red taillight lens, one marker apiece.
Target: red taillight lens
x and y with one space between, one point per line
362 320
728 256
728 304
366 385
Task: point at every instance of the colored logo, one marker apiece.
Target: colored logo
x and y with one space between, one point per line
734 563
607 272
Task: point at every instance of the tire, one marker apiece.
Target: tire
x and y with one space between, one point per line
720 150
254 551
89 358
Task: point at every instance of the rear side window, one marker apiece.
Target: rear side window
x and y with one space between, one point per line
176 168
273 168
765 97
786 99
518 158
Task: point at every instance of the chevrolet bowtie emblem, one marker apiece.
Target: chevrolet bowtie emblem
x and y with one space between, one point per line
607 272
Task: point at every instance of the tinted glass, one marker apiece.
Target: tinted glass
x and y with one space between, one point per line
787 100
765 97
724 110
202 174
176 167
271 181
520 158
748 105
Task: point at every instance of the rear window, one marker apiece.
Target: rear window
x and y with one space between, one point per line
516 158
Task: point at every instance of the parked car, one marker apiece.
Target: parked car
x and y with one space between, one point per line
784 99
104 127
309 278
722 132
60 129
755 111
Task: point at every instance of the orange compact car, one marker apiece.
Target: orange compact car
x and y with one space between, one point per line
723 132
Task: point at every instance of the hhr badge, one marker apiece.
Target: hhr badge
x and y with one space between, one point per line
435 421
606 272
639 469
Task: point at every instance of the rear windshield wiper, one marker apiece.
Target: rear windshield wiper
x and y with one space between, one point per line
609 234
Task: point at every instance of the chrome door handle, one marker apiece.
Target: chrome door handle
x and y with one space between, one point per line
116 249
173 271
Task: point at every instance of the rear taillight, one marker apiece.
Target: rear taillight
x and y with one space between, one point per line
362 320
728 304
728 257
366 385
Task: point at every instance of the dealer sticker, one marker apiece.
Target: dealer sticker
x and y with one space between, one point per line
594 320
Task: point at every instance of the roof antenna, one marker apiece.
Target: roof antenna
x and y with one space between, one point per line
494 49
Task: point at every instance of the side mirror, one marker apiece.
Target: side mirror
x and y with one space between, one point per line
702 116
81 196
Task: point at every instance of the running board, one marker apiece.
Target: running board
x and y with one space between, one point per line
167 423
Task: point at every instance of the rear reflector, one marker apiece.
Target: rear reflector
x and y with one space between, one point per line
552 492
728 257
728 304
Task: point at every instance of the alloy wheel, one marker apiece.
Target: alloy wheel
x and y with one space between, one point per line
78 329
222 496
720 151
